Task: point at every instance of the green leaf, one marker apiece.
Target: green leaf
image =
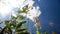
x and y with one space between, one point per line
13 23
23 32
19 11
25 8
21 17
17 30
37 32
0 29
8 25
18 25
6 30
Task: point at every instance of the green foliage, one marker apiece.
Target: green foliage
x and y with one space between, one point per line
16 25
8 25
0 29
12 23
37 32
23 9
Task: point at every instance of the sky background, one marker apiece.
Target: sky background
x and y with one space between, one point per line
49 18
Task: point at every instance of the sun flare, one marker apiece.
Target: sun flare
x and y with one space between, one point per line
6 6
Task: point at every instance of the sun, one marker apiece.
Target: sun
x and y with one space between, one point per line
7 6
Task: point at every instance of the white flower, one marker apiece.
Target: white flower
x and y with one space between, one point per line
32 14
35 12
27 2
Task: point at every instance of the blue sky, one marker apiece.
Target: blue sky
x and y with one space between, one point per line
50 13
50 16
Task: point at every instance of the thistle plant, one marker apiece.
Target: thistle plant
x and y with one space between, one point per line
15 21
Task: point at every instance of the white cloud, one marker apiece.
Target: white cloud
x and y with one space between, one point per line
6 6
